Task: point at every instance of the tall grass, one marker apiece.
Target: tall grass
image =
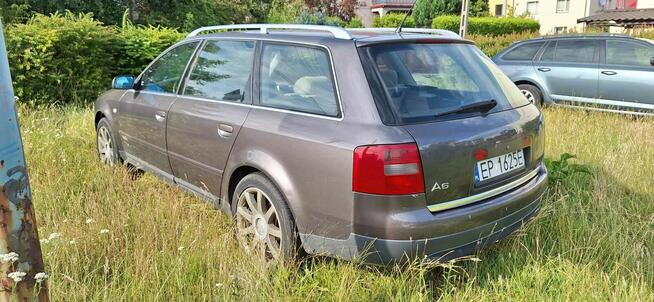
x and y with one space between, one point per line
593 239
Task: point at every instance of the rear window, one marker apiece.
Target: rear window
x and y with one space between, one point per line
524 52
423 81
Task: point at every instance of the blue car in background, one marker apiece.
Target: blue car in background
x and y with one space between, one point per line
603 72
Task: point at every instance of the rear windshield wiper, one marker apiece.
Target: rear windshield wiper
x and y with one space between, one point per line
481 106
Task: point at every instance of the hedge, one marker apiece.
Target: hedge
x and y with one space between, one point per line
491 45
393 20
67 58
491 26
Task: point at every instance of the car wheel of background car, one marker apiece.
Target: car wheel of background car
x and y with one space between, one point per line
532 93
264 224
107 151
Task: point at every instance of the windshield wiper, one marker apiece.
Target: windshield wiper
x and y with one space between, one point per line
482 106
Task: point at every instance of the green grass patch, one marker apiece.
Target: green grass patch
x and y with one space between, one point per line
593 239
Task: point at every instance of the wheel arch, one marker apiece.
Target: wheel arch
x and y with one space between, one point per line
544 93
259 162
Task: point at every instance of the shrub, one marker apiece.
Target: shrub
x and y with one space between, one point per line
355 23
60 58
488 25
318 18
393 20
139 45
284 11
68 58
491 45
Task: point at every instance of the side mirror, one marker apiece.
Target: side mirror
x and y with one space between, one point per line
123 82
651 61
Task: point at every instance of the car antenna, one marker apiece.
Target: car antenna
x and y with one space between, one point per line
408 13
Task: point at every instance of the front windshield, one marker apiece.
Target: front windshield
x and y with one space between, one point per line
423 81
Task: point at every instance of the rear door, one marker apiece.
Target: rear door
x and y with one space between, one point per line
206 118
568 68
626 76
143 111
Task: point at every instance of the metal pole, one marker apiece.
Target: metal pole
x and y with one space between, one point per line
505 9
21 263
463 26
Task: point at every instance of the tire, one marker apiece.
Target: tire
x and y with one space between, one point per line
270 236
106 144
532 93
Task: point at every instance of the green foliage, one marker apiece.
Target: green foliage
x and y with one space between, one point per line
68 58
491 45
393 20
355 23
426 10
60 58
282 11
140 44
492 26
561 169
15 12
106 11
183 14
318 18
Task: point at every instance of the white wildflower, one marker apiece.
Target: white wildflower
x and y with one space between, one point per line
90 220
180 248
219 284
40 277
72 241
17 276
104 231
9 258
54 236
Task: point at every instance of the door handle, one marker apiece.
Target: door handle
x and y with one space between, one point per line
225 130
544 69
160 116
608 72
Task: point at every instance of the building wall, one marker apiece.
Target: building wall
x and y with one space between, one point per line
550 20
492 4
645 3
364 11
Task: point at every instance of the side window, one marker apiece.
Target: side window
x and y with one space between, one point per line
222 71
525 52
164 74
572 51
548 54
628 53
298 78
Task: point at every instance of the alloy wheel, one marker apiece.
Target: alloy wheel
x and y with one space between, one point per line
258 226
105 146
530 96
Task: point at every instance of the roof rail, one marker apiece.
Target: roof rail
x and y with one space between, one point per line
338 32
430 31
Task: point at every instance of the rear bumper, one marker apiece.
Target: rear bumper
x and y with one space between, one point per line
389 230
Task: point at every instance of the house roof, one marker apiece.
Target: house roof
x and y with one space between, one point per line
621 16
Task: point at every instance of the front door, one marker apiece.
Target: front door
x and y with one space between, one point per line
204 122
568 68
627 76
143 110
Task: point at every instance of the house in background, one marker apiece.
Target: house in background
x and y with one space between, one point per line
558 16
369 9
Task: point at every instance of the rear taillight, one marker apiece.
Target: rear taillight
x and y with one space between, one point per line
388 170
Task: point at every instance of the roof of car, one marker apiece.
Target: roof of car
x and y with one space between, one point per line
315 33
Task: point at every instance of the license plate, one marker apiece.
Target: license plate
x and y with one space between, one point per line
500 165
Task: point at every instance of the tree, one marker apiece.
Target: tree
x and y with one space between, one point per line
183 14
426 10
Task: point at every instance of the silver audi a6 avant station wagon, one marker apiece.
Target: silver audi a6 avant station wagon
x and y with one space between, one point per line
601 72
366 143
